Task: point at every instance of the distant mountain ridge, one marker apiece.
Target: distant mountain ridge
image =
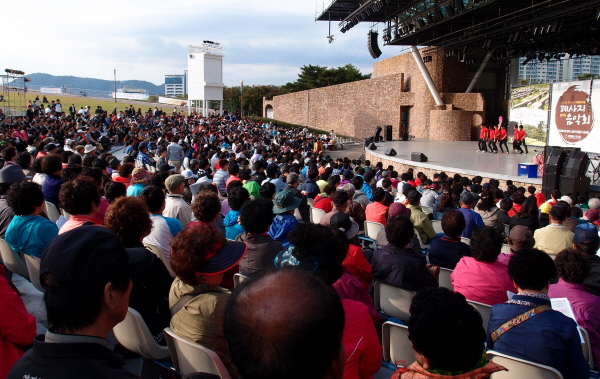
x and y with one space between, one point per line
47 80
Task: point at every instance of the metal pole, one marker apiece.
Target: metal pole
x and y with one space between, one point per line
115 85
426 76
242 99
479 72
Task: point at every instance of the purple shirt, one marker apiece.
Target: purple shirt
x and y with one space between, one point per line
586 308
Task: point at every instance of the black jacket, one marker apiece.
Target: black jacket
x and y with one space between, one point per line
69 360
261 252
402 268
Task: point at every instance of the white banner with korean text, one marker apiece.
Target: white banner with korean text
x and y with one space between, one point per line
572 118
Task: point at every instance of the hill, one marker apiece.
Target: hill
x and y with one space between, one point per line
39 79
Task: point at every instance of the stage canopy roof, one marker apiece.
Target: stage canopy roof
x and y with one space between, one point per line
507 28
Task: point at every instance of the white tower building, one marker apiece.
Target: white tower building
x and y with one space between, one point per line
205 78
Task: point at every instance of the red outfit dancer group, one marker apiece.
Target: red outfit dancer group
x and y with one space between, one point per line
497 135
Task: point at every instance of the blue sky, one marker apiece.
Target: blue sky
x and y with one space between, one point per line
264 41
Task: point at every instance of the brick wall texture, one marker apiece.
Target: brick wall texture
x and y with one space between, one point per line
355 109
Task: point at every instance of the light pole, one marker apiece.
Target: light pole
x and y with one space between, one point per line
242 98
115 85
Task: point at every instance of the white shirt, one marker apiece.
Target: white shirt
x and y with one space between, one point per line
160 236
177 208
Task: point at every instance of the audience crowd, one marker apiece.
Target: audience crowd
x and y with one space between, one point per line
217 197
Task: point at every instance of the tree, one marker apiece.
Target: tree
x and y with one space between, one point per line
587 76
253 97
318 76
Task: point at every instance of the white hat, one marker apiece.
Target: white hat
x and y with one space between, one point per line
68 141
89 148
188 174
567 199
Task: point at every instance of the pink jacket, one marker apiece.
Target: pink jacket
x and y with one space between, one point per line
586 308
481 281
17 327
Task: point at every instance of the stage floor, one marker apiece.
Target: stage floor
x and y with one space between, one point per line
461 157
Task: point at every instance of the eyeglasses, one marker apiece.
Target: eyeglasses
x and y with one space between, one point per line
285 258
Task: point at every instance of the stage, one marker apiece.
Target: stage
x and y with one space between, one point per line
455 157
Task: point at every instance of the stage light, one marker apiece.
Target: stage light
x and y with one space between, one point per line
15 72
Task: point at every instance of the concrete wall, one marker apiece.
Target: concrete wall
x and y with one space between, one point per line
356 108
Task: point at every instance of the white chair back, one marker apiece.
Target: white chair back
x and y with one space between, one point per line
427 210
393 301
421 243
437 226
316 214
465 240
310 202
505 249
238 279
520 368
587 348
33 267
189 357
158 252
134 335
506 229
65 214
12 260
372 228
52 212
396 345
484 310
445 280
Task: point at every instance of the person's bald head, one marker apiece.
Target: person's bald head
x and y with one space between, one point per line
285 323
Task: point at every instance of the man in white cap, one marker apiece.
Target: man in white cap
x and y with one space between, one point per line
90 150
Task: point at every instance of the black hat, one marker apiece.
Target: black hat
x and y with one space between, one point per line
86 258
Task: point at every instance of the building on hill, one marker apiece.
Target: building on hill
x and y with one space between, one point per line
558 70
176 85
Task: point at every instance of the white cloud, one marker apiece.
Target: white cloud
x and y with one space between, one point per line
264 41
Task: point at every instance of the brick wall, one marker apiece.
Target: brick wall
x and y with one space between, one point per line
355 109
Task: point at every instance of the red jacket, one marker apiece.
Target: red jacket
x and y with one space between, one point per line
361 344
17 327
357 265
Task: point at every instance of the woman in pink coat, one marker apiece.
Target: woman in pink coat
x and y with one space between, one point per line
17 327
483 278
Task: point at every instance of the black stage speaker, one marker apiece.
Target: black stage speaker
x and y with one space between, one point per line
550 182
555 159
391 152
377 134
368 141
388 133
574 185
576 164
418 157
372 146
405 136
372 44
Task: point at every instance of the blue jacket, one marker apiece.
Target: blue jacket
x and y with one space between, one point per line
473 220
282 224
51 188
549 338
445 251
30 234
232 228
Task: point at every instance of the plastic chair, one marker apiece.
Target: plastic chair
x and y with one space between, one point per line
505 249
133 333
484 310
520 368
238 279
316 214
465 240
13 260
587 348
427 210
393 301
65 214
189 357
423 246
158 252
52 212
310 202
396 345
437 226
33 267
506 229
445 280
372 228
